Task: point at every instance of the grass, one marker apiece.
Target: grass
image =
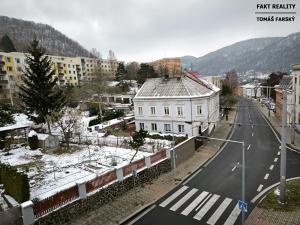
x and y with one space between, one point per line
292 198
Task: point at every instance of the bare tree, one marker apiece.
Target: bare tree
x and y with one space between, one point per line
67 122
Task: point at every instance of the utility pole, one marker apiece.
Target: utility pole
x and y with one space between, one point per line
174 155
282 187
293 116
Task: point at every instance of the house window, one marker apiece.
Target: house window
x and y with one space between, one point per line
180 111
17 60
167 110
153 126
9 68
140 110
152 109
181 128
199 109
167 128
142 127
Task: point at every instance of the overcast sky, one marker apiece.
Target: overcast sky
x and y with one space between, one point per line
145 30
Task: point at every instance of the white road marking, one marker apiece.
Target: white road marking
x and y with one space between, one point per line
276 159
233 168
252 134
278 153
260 187
266 176
203 202
217 214
249 147
194 203
233 216
271 167
183 199
173 196
206 207
252 126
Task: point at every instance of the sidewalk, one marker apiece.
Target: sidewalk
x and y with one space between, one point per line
144 195
276 124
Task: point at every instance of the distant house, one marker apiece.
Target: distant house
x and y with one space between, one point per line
184 105
46 141
251 90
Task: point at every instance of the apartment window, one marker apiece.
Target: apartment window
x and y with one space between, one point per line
152 109
64 65
74 78
19 69
181 128
179 111
69 65
69 71
167 128
8 59
73 72
153 126
73 66
17 60
9 68
140 109
167 110
142 127
199 109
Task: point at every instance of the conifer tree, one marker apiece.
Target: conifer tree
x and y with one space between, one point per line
6 44
40 92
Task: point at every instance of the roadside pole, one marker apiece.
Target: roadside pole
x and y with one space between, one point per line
282 187
174 155
243 181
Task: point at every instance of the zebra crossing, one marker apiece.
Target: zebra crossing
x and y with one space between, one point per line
199 204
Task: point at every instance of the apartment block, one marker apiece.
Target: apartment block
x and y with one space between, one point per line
69 71
171 65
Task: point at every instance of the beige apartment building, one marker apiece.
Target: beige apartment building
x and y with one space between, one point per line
172 65
69 71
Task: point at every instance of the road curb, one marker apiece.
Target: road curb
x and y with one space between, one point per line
129 218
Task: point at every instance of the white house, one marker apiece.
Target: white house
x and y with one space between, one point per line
250 90
183 105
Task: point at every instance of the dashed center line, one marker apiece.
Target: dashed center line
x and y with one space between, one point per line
266 176
252 126
252 134
278 153
249 147
233 168
276 159
271 167
260 187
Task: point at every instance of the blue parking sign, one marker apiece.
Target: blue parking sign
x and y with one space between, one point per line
243 206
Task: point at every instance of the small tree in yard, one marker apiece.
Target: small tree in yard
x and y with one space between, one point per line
67 123
138 139
40 93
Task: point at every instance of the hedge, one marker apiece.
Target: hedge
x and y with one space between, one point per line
107 115
15 183
168 137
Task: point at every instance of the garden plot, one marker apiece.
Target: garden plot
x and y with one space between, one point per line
51 173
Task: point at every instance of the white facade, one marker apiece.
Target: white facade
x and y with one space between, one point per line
249 90
184 115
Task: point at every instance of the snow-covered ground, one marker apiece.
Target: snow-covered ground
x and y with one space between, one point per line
50 173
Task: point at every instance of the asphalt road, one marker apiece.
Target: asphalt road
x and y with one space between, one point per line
211 196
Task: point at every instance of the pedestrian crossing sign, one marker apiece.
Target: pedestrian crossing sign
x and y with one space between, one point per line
243 206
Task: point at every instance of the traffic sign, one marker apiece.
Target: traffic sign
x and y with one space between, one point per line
243 206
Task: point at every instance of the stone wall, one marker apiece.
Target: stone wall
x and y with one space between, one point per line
105 195
184 150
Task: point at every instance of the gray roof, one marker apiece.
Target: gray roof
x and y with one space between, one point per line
172 87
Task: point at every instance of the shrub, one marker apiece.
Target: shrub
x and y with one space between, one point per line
33 142
15 183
